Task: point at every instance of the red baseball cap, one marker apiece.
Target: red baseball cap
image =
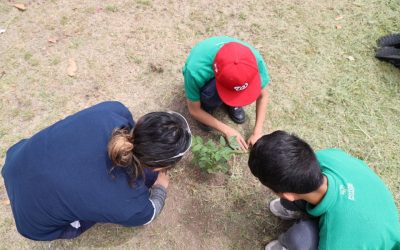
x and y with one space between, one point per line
236 74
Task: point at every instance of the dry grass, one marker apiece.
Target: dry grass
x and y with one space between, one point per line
133 51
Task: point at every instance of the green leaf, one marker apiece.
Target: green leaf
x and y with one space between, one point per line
233 143
202 165
226 157
204 158
219 167
227 151
222 141
213 157
203 150
211 144
196 148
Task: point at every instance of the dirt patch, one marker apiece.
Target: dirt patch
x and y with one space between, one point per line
133 52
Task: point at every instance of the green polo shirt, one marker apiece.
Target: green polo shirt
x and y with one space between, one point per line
358 210
198 67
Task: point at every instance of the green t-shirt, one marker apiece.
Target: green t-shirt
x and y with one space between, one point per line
198 67
358 210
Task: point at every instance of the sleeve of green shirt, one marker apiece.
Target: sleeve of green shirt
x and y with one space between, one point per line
262 68
191 87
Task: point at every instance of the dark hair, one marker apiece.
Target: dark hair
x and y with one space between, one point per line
285 163
158 140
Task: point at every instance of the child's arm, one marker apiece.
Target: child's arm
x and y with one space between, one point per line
158 193
199 114
261 109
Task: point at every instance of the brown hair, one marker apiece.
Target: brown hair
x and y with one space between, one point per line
120 147
120 151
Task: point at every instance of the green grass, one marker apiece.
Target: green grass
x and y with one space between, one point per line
64 20
111 8
55 61
5 8
27 56
144 2
315 92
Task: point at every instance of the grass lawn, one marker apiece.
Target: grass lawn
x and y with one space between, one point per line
326 86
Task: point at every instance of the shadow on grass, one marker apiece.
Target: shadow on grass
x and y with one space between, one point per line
101 235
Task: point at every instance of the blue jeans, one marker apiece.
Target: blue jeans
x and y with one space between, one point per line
209 97
304 234
72 232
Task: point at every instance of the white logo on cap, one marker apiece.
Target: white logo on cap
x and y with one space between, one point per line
215 68
240 88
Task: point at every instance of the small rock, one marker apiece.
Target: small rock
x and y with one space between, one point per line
20 6
72 68
52 39
156 68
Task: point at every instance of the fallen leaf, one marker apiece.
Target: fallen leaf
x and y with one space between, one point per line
350 58
339 18
52 39
2 30
338 27
20 6
156 68
6 202
72 68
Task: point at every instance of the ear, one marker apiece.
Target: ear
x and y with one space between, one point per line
289 196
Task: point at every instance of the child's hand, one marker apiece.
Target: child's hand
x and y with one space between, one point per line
230 132
253 139
162 179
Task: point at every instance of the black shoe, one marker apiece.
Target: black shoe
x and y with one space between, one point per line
237 114
389 54
392 40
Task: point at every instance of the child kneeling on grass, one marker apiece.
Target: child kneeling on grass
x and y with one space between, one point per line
351 207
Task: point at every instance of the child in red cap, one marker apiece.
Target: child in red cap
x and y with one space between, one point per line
224 70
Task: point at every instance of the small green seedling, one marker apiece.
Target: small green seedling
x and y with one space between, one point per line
212 157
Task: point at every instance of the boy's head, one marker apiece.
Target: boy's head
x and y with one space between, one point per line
285 164
237 77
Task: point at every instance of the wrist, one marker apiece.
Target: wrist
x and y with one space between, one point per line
257 131
159 186
227 130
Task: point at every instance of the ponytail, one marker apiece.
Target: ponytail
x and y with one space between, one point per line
120 151
120 148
